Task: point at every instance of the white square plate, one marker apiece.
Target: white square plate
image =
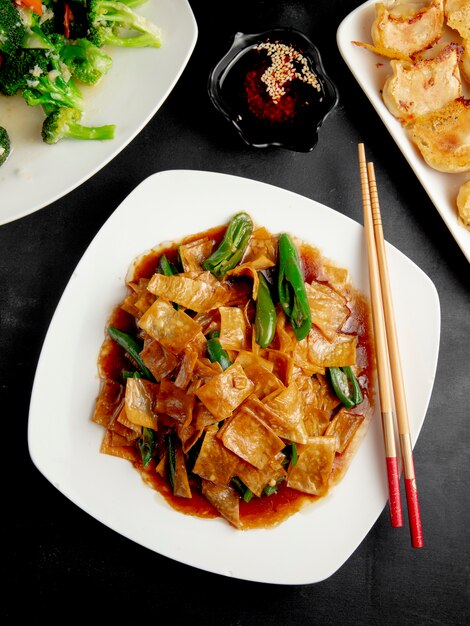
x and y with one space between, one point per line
64 443
139 81
370 72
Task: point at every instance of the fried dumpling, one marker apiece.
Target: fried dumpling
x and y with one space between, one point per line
419 87
457 14
407 26
465 60
463 204
443 136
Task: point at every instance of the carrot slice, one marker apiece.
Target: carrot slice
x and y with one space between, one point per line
34 5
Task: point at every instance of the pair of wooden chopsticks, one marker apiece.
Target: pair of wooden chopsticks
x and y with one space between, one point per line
388 360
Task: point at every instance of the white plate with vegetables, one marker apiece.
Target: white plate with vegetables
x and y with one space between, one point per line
65 443
140 79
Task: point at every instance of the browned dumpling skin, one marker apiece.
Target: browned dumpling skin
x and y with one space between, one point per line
419 87
457 14
407 26
463 204
465 60
443 136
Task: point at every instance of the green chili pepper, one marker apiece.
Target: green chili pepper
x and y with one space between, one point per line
165 267
294 454
291 287
232 247
147 445
291 454
215 352
346 386
127 374
132 347
171 459
242 489
213 334
265 318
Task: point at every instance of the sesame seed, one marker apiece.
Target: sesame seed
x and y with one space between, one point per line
282 69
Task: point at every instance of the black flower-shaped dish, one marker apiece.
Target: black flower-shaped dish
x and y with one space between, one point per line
272 87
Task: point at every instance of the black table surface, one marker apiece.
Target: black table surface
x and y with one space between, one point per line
59 562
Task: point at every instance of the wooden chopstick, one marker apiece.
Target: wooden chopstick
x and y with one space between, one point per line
414 515
383 366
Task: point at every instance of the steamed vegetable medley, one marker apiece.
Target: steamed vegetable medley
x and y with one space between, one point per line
235 374
50 48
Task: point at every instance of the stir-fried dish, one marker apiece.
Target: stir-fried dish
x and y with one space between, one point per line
237 373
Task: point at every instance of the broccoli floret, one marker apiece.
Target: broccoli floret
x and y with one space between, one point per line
41 78
5 146
86 62
52 18
35 36
64 122
133 3
20 68
107 17
52 87
12 30
20 27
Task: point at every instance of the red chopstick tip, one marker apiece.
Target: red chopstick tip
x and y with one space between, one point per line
414 514
396 513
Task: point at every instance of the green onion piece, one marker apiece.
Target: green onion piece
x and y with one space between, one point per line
133 348
232 246
171 460
242 489
270 490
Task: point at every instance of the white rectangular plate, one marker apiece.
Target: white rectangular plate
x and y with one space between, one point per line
64 443
138 83
370 72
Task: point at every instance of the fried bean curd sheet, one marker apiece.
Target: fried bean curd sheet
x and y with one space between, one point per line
253 433
313 468
195 291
